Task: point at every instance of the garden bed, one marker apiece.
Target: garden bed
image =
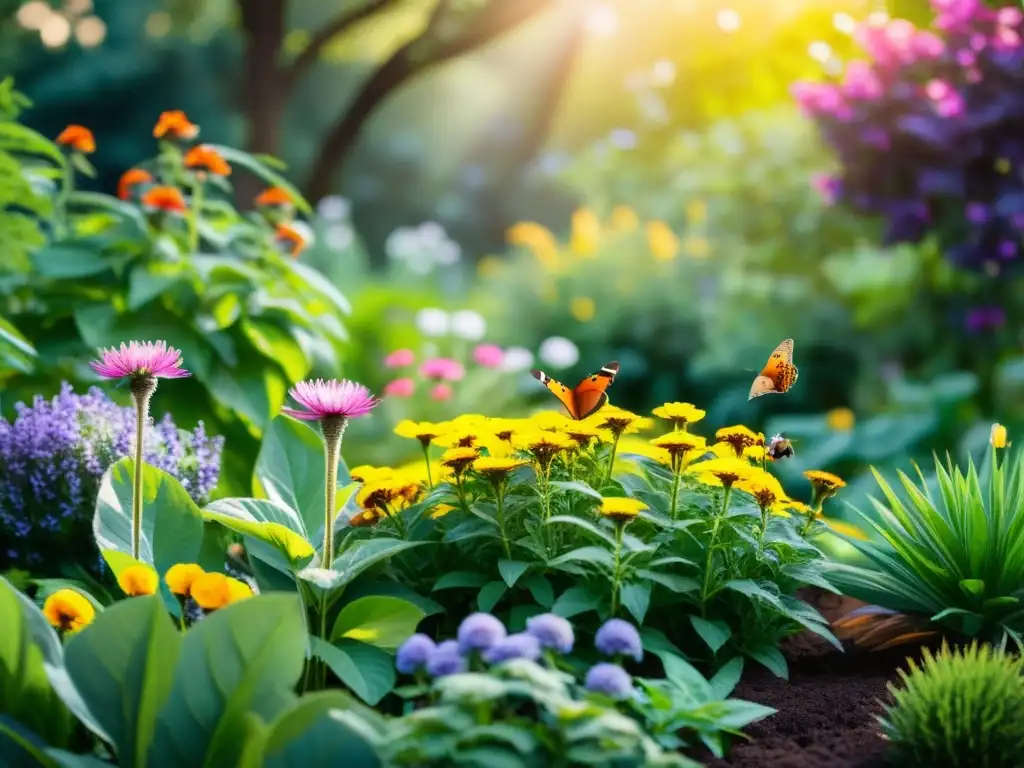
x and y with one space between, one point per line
826 711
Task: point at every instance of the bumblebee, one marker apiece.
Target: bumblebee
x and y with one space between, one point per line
779 447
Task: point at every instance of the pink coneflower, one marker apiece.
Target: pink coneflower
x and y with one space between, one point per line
442 369
324 399
400 358
332 403
400 388
143 362
442 392
140 358
488 355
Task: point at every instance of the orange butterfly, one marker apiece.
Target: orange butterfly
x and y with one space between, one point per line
778 375
587 397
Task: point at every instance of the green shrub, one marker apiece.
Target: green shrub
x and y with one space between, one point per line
959 708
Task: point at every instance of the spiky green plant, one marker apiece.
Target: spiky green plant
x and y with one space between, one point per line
951 550
959 708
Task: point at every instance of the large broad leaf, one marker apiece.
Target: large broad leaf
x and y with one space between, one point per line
290 471
240 661
312 733
172 526
379 620
265 520
366 553
123 666
26 695
367 671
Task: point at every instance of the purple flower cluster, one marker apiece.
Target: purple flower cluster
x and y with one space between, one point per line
929 130
53 456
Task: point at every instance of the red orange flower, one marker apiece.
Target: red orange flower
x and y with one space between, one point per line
168 199
292 238
202 158
175 125
130 179
274 196
79 138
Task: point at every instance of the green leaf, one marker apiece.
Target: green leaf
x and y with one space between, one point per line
172 526
20 747
715 633
367 671
684 676
973 587
490 594
540 589
312 733
772 658
727 677
264 520
586 525
19 139
512 570
578 487
736 714
591 555
25 691
574 601
362 554
278 345
241 660
68 262
636 597
674 582
459 580
123 667
381 621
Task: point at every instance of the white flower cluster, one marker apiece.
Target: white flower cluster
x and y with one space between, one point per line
424 248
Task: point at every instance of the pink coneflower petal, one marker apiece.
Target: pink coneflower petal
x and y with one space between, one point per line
442 392
400 358
330 398
400 388
443 369
140 358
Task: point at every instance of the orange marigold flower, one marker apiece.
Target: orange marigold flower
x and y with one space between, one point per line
166 199
130 179
274 196
292 238
203 158
79 138
175 125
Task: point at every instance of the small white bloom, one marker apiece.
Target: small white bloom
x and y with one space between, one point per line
333 208
403 243
469 325
558 352
516 359
432 321
431 234
447 253
339 237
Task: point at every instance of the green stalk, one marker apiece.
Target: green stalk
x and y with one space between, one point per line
805 529
764 525
195 212
617 567
675 490
426 458
499 489
711 551
142 389
65 194
611 461
333 429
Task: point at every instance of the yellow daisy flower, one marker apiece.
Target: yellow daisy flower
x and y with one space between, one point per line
458 459
680 414
68 610
495 468
618 421
138 580
180 578
367 474
424 431
721 471
620 508
997 437
739 437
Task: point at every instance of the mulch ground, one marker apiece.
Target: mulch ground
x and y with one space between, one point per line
827 709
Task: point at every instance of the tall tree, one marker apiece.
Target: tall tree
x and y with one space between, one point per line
454 28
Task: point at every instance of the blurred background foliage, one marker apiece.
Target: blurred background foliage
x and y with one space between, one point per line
632 175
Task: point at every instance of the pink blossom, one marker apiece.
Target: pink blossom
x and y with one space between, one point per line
140 358
861 82
442 368
978 41
820 97
400 358
938 89
925 45
1006 39
400 388
488 355
330 398
442 392
950 106
1009 16
965 58
827 186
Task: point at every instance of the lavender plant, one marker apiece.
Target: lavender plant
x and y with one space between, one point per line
52 458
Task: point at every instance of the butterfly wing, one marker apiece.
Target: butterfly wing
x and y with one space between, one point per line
778 375
590 395
559 390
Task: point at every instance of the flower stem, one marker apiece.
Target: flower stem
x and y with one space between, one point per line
142 389
611 461
675 493
615 570
333 429
499 489
195 211
545 491
811 517
426 458
709 563
323 636
764 526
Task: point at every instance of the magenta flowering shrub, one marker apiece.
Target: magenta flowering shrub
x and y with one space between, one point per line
52 459
929 130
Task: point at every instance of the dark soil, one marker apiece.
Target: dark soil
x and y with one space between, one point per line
826 711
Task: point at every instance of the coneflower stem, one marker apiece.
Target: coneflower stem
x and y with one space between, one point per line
709 563
333 429
616 568
142 388
675 492
611 461
426 458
